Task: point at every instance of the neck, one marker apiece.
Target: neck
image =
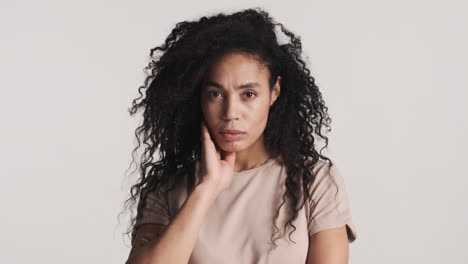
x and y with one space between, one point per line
251 157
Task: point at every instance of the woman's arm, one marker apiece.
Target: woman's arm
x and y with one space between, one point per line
329 246
176 243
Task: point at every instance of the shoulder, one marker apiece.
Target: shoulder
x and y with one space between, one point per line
323 169
329 205
327 180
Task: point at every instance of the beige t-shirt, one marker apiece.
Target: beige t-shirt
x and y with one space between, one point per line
239 225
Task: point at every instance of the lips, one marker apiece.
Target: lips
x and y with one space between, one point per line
231 131
231 135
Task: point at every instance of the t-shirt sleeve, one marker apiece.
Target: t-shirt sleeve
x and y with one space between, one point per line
156 210
330 207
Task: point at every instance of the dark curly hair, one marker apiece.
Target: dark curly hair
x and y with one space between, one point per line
172 111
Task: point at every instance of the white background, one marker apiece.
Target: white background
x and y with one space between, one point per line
393 73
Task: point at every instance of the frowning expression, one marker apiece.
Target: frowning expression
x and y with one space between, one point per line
236 99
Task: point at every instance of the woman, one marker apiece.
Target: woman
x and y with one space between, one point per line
232 113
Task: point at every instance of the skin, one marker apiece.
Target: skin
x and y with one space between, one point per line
227 106
329 246
233 108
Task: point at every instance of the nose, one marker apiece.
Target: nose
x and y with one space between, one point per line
230 109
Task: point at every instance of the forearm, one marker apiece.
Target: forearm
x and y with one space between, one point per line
177 242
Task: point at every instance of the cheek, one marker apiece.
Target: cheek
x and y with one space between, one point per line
256 111
209 111
205 107
259 111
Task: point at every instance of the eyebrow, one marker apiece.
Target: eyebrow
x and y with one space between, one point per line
242 86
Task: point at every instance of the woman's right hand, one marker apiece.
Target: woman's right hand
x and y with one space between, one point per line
215 171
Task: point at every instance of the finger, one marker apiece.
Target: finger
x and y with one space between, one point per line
219 152
204 131
207 143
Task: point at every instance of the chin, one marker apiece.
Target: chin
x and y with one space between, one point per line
235 146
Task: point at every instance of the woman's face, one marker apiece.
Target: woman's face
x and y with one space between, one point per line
235 95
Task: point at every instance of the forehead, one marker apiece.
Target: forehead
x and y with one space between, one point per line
237 69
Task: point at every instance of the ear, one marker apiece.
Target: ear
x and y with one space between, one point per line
276 91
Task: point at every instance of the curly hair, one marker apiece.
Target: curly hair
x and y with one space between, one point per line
172 111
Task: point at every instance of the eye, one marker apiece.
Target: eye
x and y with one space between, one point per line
210 93
251 93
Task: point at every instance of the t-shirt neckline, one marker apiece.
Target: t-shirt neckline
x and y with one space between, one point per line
256 168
